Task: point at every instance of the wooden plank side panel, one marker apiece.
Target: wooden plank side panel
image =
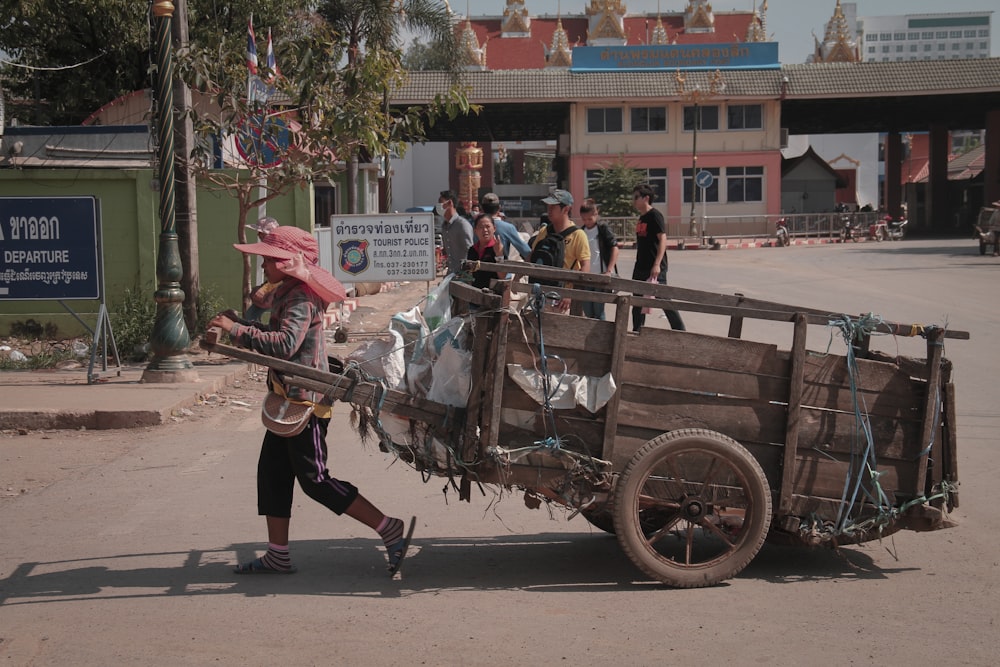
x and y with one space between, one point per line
664 410
820 476
589 355
884 388
680 348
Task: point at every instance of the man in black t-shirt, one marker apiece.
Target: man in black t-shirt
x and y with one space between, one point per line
650 253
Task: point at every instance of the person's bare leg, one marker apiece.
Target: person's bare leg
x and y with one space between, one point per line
362 510
277 530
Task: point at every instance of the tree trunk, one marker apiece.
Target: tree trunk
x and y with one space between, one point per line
186 188
352 183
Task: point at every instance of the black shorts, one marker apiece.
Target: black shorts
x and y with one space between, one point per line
302 457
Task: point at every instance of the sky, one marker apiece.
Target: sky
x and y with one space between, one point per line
791 22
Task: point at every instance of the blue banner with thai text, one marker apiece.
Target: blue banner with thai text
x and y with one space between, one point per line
647 57
49 248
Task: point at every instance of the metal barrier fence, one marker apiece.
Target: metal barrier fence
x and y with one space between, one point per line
750 227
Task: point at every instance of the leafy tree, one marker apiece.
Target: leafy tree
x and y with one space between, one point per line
71 57
538 168
613 188
375 28
426 57
329 110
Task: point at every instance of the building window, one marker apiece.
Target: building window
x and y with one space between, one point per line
885 36
745 116
899 35
899 48
913 48
942 47
956 46
984 33
708 116
927 47
604 120
927 35
649 119
969 46
711 192
657 179
744 184
941 34
325 203
885 49
985 46
969 33
913 36
955 34
871 49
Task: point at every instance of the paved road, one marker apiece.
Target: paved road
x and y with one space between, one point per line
124 558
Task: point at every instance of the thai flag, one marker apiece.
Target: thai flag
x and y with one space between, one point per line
272 64
251 49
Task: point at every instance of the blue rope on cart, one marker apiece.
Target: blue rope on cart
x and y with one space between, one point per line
538 306
861 461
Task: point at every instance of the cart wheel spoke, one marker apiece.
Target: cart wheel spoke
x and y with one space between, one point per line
667 528
719 532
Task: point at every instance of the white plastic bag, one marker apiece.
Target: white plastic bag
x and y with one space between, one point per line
438 308
382 359
452 377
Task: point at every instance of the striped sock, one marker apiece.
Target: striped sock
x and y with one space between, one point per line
391 530
277 557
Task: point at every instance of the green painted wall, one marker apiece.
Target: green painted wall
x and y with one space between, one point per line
130 222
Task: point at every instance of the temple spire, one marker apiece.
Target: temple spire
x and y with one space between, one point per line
516 20
838 44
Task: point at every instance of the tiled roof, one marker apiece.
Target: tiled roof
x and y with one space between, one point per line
918 77
506 86
505 53
805 81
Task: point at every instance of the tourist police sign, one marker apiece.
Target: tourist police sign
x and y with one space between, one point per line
384 247
49 248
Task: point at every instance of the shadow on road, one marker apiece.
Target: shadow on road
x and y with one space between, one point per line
554 562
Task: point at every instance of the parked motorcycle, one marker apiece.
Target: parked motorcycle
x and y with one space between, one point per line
888 228
847 232
781 232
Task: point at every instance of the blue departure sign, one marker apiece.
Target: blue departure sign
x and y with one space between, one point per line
49 248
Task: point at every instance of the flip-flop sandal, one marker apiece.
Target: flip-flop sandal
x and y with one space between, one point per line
398 550
257 566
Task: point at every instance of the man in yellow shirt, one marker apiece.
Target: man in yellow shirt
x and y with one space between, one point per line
559 207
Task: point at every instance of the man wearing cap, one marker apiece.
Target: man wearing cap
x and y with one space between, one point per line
295 333
456 231
505 230
559 207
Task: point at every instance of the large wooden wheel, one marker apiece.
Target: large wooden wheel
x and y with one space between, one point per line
692 508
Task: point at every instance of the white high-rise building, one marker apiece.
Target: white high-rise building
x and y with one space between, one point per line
950 35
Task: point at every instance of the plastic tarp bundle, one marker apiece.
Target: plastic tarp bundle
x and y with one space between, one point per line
568 391
382 359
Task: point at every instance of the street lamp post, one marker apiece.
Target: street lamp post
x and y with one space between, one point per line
696 96
170 337
693 227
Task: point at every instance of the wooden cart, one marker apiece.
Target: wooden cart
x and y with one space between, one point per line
708 444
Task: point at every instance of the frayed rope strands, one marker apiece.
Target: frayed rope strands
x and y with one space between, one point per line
863 463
